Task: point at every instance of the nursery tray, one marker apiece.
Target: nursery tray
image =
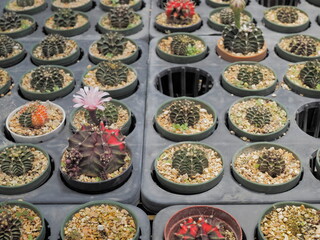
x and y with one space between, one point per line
247 216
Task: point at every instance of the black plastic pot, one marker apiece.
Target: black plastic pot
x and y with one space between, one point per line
182 59
30 11
84 8
6 87
259 187
32 95
23 32
183 188
318 163
9 190
283 28
247 92
8 62
293 57
186 137
271 3
136 7
69 32
314 2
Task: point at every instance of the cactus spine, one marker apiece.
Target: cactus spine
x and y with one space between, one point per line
25 3
258 116
46 79
9 226
310 73
112 73
184 112
302 45
6 45
34 115
111 43
65 17
10 20
250 75
121 17
271 162
180 44
287 15
53 44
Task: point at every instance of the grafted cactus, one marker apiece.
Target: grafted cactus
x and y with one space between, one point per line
46 79
250 75
271 162
226 16
189 161
184 112
6 45
258 116
9 226
25 3
109 115
121 17
302 45
68 1
310 73
287 15
180 11
180 43
10 20
65 17
111 43
34 115
16 160
53 44
112 73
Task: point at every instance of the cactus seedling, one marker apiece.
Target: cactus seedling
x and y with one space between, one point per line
10 20
6 45
226 16
121 17
65 17
181 45
108 116
258 116
34 115
302 45
271 162
287 15
9 226
25 3
310 74
112 73
180 11
46 79
250 75
184 112
53 44
111 43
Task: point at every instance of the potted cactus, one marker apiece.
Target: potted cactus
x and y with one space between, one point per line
304 78
296 48
179 16
11 51
77 5
286 19
202 222
21 220
219 18
121 19
67 23
107 5
289 220
114 46
271 3
182 48
35 122
5 82
267 167
16 25
219 3
241 42
124 222
55 49
23 167
189 168
47 83
249 79
258 119
26 6
118 79
185 119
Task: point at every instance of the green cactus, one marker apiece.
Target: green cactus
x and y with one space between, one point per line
121 17
189 161
258 116
180 44
25 3
302 45
112 73
184 112
250 75
10 20
271 162
53 44
46 79
226 16
65 17
109 115
9 226
68 1
16 160
246 39
33 115
111 43
6 45
310 73
287 14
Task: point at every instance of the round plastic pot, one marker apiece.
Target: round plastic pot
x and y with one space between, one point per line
83 8
37 182
30 11
128 60
136 7
188 28
186 137
118 93
314 2
125 31
183 188
230 57
173 224
318 163
95 203
8 62
283 28
66 61
218 26
259 187
69 32
182 59
125 128
23 32
241 92
257 137
38 138
270 3
275 206
6 87
293 57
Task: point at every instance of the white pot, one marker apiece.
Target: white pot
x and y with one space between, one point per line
38 138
